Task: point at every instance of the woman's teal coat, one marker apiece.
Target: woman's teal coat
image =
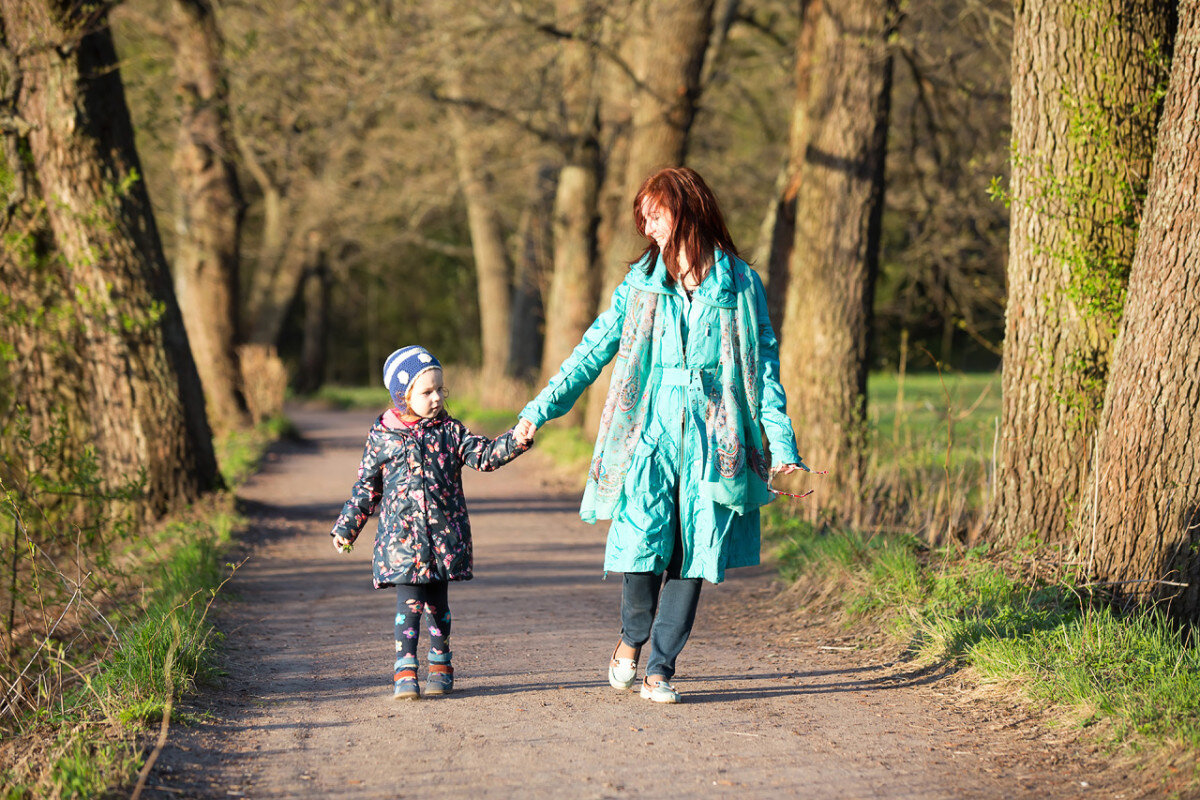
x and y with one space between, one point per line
663 484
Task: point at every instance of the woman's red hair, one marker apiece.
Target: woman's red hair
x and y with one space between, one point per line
697 225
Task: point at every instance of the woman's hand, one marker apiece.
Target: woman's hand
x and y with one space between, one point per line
787 469
342 544
524 431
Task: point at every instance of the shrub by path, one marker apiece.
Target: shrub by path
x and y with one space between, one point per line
306 708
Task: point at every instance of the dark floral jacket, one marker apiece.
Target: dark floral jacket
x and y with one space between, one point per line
424 534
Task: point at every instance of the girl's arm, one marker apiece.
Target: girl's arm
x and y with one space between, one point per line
598 347
364 496
775 422
484 454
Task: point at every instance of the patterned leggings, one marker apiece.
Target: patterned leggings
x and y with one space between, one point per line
411 600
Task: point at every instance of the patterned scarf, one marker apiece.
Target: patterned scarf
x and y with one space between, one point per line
735 465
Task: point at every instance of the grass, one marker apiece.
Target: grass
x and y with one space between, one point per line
1136 672
88 741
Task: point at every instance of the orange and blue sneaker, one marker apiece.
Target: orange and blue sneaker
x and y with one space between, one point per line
406 679
440 679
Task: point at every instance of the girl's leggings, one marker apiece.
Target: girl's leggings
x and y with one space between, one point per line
411 600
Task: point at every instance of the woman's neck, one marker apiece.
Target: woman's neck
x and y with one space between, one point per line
687 279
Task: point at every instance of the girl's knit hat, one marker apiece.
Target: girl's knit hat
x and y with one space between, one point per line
402 368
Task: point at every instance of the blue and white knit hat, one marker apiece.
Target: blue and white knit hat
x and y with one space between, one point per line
402 368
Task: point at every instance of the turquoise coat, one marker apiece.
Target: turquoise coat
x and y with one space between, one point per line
664 483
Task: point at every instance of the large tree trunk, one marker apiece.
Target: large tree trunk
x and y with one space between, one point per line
209 214
1141 517
1083 116
146 406
778 232
571 302
835 257
668 39
493 270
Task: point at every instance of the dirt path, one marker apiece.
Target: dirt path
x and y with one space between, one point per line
306 708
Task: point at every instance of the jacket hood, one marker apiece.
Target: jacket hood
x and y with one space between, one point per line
720 292
379 427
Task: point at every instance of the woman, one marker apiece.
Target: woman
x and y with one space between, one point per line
678 465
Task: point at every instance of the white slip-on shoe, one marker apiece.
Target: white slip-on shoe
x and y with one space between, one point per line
661 692
622 672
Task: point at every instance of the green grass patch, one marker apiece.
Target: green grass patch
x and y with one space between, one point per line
1136 671
88 742
347 397
239 452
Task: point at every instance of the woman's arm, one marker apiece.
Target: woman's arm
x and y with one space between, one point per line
582 367
775 422
364 497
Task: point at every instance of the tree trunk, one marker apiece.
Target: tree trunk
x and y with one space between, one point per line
279 277
532 263
1084 107
493 270
317 281
1141 517
835 257
210 211
146 406
778 231
571 301
668 39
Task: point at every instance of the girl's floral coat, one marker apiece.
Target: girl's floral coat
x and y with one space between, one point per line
424 534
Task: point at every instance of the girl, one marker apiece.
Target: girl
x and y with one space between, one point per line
413 462
679 465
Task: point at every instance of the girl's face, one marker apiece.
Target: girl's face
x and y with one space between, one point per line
427 395
657 224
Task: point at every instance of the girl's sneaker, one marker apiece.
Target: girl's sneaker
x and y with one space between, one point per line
661 692
622 672
406 679
441 675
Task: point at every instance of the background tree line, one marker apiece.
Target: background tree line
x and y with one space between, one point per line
334 179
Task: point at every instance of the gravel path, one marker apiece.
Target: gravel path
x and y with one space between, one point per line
306 710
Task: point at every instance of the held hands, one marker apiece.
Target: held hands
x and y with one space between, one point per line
342 544
523 431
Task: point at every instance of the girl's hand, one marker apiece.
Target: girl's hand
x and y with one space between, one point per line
524 431
342 544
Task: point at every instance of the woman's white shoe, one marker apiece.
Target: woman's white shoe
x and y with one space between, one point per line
661 692
622 672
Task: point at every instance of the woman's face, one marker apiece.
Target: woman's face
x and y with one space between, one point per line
657 225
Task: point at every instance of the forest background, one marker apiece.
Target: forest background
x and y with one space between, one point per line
240 195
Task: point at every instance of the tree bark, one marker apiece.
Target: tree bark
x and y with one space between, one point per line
1084 107
835 256
668 40
571 300
279 277
778 231
493 269
1141 516
210 210
317 282
532 264
146 406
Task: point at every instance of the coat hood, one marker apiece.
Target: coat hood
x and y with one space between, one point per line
727 270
